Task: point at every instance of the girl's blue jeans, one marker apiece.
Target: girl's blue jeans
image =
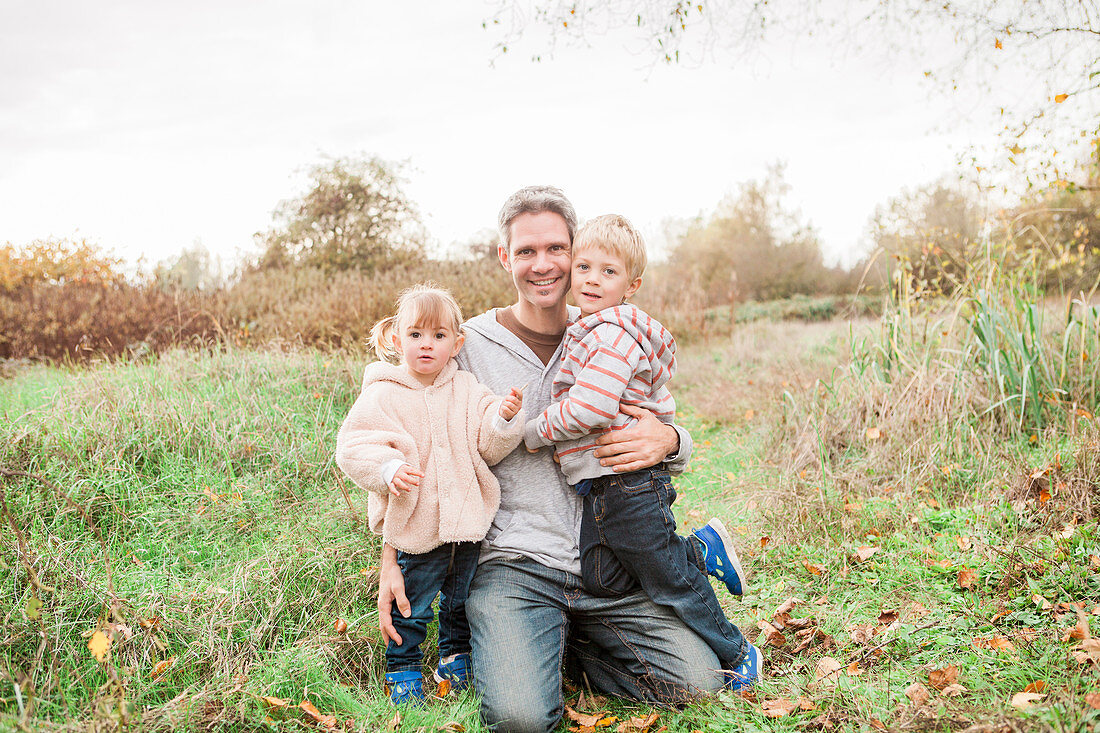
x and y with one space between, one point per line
445 571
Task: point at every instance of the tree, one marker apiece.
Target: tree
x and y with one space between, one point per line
931 233
354 216
751 248
1050 49
193 269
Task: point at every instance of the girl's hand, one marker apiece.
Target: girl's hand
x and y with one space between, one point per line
512 404
407 478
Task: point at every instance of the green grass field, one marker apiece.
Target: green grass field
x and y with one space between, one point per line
184 549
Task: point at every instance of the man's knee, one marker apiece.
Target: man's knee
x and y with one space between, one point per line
511 713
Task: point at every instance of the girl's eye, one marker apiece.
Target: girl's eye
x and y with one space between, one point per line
440 335
414 334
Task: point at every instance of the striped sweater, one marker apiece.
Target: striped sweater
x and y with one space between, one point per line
618 356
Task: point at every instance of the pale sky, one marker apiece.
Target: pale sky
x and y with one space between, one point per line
144 126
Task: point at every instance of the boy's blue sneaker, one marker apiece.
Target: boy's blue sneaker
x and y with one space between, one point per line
747 673
406 686
455 669
721 559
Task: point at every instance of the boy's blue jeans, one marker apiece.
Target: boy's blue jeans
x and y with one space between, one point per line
445 571
628 539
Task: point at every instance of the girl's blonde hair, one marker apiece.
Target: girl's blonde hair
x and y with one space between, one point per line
425 305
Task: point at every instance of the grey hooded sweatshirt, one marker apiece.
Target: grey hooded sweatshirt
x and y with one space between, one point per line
539 515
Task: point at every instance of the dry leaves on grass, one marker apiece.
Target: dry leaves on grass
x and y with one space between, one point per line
1025 700
323 721
589 722
863 554
942 678
967 578
828 670
917 693
637 725
778 708
1093 700
806 631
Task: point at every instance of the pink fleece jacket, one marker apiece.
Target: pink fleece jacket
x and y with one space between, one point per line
450 430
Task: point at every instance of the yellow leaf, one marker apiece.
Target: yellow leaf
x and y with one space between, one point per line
873 433
1024 700
1059 98
997 43
750 414
162 667
33 608
99 645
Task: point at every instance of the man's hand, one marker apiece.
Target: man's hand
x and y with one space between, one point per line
511 405
645 444
391 587
407 478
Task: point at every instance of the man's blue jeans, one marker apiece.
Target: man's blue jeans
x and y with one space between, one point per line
445 571
628 538
527 619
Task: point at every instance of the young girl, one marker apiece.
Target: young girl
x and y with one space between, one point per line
420 438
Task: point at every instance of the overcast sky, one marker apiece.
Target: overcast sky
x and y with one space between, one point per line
146 126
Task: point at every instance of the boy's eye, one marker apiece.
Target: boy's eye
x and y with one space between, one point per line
582 267
608 271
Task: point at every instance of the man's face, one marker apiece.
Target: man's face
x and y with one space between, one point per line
539 258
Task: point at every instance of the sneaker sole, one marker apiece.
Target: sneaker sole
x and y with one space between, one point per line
735 560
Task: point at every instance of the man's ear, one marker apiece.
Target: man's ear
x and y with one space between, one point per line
502 255
633 287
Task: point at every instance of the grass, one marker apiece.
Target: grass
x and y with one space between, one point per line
232 545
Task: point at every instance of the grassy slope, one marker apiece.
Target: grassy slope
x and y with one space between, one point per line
211 479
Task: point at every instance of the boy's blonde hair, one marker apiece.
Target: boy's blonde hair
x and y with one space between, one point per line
425 305
614 234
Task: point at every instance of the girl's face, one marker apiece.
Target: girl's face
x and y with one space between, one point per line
427 350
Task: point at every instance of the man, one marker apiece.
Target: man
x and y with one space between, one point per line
529 612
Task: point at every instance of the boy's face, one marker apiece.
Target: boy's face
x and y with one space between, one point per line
538 259
600 280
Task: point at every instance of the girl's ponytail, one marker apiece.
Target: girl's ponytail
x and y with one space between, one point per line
381 338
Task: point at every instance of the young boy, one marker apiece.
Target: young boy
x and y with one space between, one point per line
617 356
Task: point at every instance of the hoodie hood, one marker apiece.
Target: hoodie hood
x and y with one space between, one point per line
657 345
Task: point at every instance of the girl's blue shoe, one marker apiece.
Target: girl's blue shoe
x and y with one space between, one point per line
721 559
405 687
747 673
456 670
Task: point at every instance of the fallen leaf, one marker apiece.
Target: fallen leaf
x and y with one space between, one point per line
861 633
967 578
771 635
444 688
637 725
33 608
997 643
828 668
1041 602
325 722
1059 98
963 543
150 623
99 645
453 727
1036 686
917 610
1024 700
917 693
854 670
877 724
585 719
786 606
778 708
162 666
1093 700
812 569
953 690
888 617
874 433
941 678
1080 630
275 702
393 723
865 553
341 626
1067 531
765 540
997 43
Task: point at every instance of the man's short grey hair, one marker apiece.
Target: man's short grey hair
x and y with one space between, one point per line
535 200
